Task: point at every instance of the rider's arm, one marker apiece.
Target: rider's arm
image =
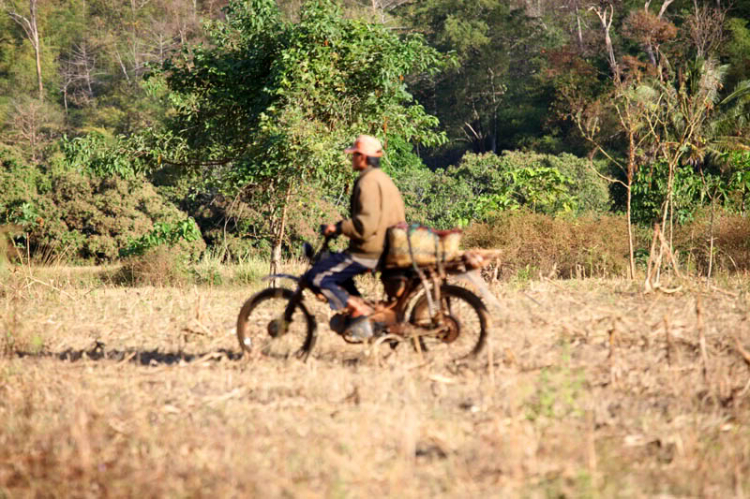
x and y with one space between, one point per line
368 210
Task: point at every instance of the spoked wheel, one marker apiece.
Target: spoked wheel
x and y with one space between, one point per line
463 331
261 328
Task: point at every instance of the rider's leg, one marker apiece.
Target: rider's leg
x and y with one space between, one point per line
355 305
333 277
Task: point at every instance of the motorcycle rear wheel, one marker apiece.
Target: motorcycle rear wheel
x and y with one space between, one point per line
261 328
464 330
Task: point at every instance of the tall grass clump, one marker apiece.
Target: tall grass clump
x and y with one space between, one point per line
161 266
250 271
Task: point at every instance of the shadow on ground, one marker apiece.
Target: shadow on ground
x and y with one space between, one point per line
145 358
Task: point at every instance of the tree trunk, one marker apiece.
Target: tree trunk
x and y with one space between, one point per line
607 25
630 175
276 252
37 48
580 31
711 244
31 29
630 232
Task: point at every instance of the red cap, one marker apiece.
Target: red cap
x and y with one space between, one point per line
366 145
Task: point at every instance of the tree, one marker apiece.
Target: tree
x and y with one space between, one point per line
271 104
30 26
662 110
497 48
32 122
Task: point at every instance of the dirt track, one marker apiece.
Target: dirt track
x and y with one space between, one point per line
593 389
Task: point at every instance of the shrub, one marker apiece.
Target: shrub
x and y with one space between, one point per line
159 266
237 230
597 246
168 234
94 219
590 246
251 272
485 183
731 232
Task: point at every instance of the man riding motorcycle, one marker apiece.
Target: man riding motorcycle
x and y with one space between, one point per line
375 206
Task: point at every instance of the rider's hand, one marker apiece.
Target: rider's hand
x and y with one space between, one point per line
329 230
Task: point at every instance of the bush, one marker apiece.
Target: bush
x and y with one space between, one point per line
588 246
94 219
482 184
597 245
158 267
731 232
172 235
236 230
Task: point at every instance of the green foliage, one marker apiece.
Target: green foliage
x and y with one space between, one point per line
234 129
498 50
20 183
281 100
728 186
482 184
269 106
78 217
737 49
163 234
650 190
738 189
100 156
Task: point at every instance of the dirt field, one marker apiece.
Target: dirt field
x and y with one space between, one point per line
588 388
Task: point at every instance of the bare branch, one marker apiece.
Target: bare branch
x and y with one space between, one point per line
606 21
664 8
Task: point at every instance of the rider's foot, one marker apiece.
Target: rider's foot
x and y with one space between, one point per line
360 328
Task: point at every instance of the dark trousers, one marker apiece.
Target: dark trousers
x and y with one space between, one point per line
333 276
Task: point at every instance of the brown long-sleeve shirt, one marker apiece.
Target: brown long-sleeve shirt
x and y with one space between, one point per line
375 205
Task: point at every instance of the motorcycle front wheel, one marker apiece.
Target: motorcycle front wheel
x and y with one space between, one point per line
261 328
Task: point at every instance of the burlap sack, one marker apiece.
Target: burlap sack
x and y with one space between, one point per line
427 246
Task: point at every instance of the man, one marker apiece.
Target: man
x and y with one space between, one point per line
375 205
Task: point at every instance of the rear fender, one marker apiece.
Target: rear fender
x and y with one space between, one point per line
473 277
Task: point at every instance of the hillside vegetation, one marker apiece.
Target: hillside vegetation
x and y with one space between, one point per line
218 127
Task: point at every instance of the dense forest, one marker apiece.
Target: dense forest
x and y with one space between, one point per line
219 126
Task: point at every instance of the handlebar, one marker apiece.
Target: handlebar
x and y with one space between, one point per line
311 253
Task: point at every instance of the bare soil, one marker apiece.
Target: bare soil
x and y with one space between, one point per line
586 388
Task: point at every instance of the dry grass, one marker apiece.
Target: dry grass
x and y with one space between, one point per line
587 246
597 245
594 390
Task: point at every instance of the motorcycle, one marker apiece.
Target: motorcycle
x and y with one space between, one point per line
418 305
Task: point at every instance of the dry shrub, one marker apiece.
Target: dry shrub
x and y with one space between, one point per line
160 266
8 251
587 246
597 245
731 234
